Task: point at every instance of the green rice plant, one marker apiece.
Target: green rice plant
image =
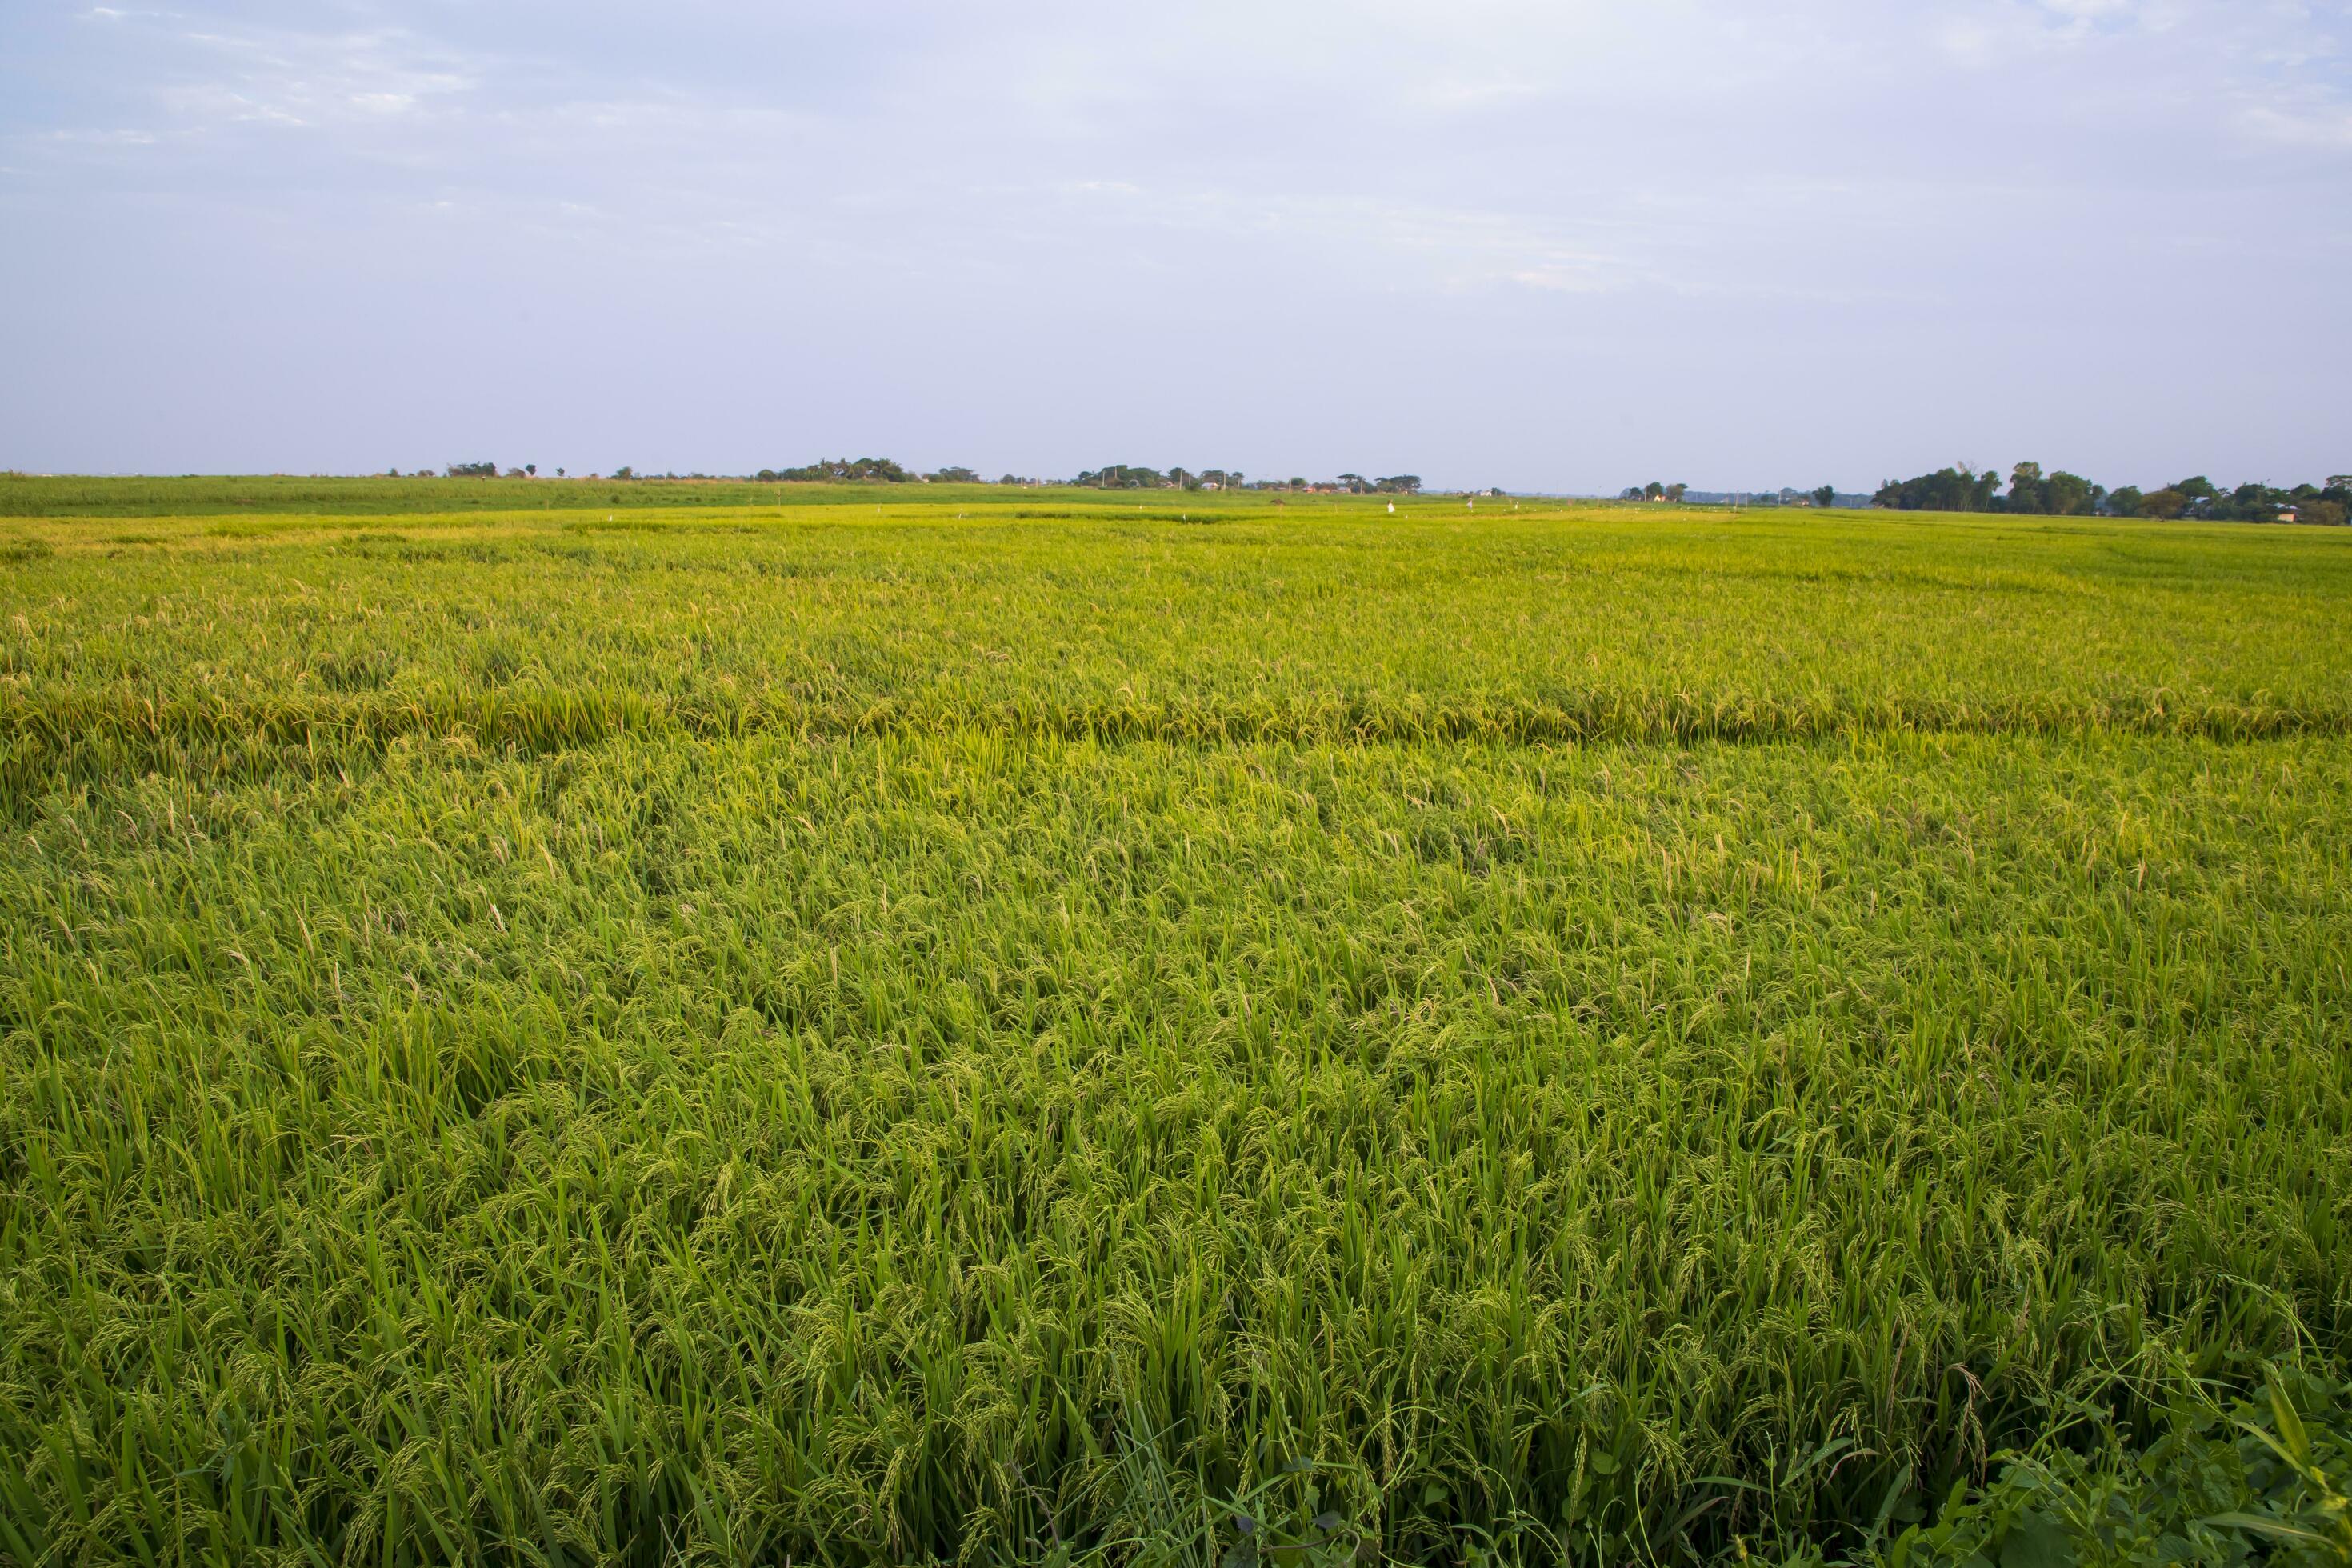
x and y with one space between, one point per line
2262 1482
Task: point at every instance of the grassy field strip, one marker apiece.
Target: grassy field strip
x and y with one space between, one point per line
127 735
1552 629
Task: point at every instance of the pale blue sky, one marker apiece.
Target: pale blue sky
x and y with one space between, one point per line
1566 246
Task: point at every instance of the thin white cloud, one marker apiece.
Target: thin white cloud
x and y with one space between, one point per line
2323 126
1990 32
293 78
116 138
1455 91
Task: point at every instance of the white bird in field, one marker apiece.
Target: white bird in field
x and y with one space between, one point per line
1392 507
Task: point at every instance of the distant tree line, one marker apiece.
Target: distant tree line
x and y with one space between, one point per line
1111 476
1135 476
2034 493
1819 495
1128 477
853 469
1964 487
478 471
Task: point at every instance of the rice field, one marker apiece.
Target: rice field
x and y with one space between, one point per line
1043 1025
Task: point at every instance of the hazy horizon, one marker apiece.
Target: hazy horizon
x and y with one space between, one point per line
1551 247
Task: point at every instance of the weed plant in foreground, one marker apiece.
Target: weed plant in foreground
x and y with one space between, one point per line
870 1036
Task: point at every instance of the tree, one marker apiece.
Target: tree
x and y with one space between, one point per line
625 472
1826 496
2326 514
1963 488
846 469
2255 503
559 473
2165 504
2026 491
1677 491
473 470
2126 501
531 469
1653 491
2070 495
1121 477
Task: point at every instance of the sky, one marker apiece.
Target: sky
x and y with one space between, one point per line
1566 246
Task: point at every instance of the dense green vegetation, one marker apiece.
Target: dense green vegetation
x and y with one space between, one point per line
2033 493
2268 1477
954 1024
